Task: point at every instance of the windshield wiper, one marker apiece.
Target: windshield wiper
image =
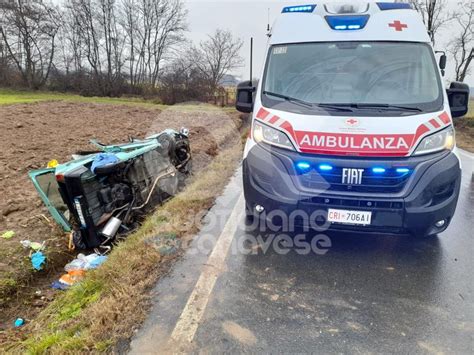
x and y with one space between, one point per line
386 106
335 107
308 104
288 98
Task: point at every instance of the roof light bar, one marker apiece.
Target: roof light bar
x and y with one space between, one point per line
301 8
394 6
344 23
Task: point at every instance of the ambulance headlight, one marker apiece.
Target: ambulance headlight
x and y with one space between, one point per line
272 136
443 140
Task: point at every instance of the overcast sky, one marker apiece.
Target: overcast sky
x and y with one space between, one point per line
246 18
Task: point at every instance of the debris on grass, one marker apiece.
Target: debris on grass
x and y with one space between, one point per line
28 244
19 322
85 263
76 270
52 164
57 285
38 259
8 235
72 277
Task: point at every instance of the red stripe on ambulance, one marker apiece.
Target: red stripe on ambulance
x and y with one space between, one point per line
445 118
435 123
273 119
288 127
262 114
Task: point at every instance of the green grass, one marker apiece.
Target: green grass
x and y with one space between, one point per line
470 114
12 97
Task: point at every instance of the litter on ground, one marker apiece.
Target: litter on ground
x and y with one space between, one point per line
77 268
83 262
37 260
52 164
19 322
72 277
8 235
32 245
57 285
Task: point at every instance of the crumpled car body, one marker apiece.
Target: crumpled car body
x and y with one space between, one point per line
99 195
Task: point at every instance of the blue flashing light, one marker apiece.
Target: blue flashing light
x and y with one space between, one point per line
403 170
325 167
301 8
378 170
303 166
344 23
394 6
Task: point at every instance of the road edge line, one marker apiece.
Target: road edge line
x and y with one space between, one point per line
192 313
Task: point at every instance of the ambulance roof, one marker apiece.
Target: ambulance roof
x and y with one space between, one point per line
327 21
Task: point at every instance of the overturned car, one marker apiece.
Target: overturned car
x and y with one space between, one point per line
102 194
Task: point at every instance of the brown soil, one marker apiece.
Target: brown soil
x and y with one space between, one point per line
465 133
33 134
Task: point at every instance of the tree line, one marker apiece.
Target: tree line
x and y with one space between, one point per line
460 21
116 47
111 48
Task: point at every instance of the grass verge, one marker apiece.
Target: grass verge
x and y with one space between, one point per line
12 97
465 130
104 308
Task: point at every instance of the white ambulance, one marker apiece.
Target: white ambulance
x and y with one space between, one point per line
351 117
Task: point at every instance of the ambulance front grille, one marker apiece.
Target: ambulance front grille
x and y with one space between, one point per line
371 182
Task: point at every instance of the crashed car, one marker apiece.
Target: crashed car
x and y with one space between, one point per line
102 194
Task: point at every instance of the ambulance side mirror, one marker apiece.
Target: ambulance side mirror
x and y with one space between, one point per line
458 96
442 63
244 101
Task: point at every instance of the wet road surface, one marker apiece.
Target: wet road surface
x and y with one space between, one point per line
367 294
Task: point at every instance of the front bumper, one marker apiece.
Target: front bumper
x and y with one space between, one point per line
427 196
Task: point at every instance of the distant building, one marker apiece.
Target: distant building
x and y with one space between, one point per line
229 81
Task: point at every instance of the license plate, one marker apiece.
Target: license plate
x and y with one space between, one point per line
362 218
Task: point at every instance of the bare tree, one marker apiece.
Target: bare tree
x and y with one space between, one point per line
218 55
95 36
183 81
28 31
434 13
153 28
462 45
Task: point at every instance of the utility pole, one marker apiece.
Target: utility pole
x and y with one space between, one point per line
251 59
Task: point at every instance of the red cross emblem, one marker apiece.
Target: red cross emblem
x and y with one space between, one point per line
398 26
352 122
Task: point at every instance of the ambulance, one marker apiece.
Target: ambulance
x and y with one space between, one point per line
351 118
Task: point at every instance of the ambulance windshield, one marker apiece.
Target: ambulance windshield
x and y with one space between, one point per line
360 76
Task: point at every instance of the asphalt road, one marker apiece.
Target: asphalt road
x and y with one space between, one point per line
367 294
